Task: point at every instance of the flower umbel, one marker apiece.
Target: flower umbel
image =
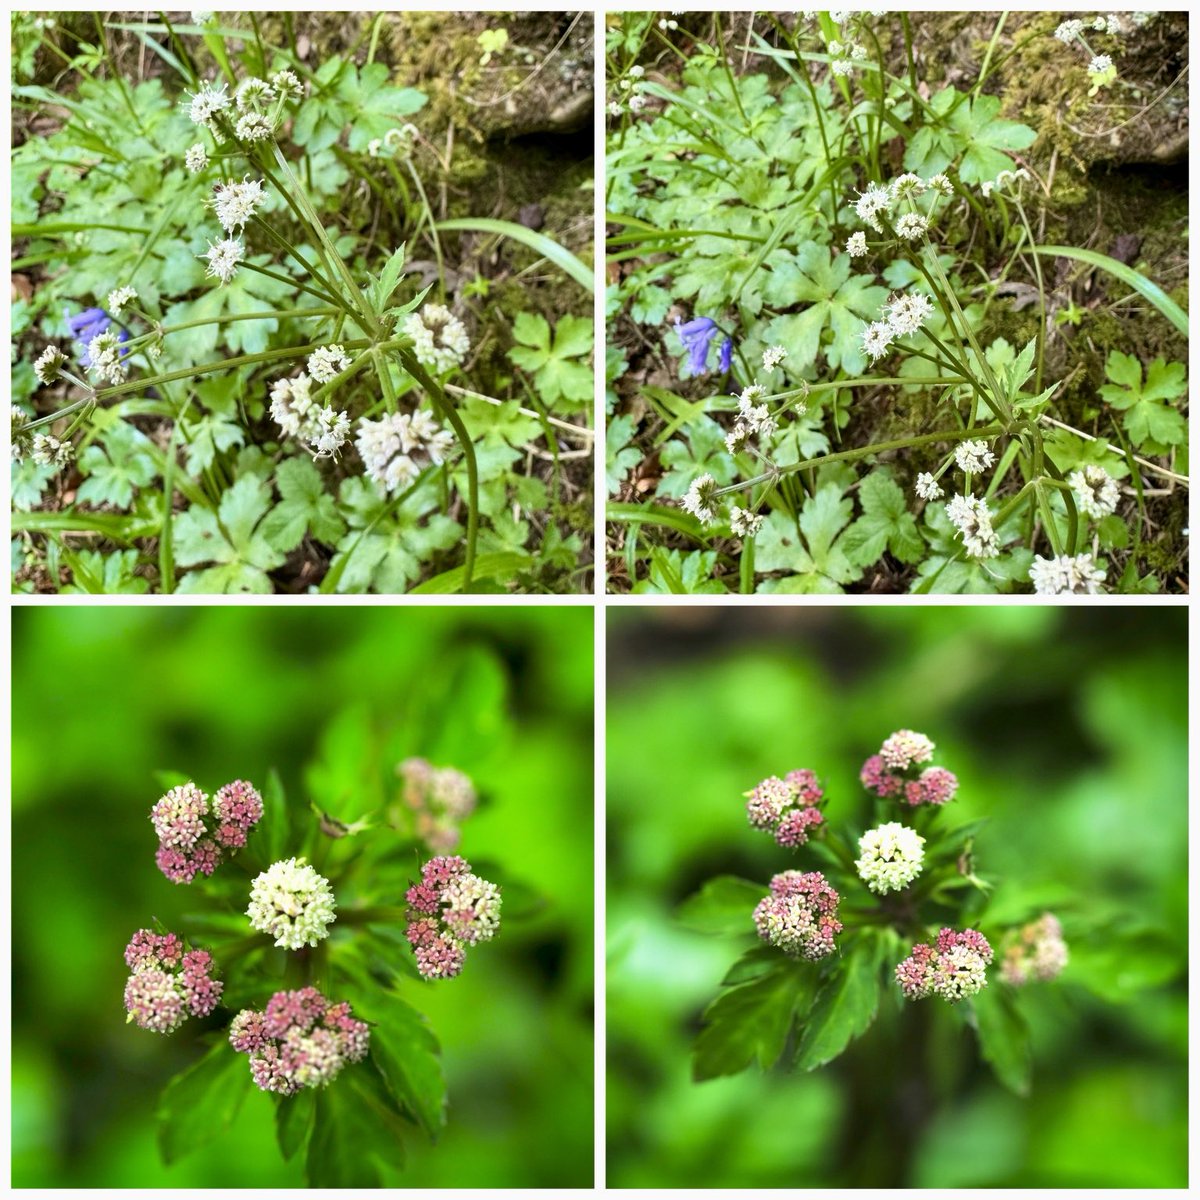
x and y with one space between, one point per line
292 903
449 910
440 798
893 771
799 917
786 808
954 968
1037 951
167 984
890 857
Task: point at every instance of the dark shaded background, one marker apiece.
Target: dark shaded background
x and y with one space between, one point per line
1067 728
104 697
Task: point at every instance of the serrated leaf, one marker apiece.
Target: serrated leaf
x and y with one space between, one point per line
886 524
353 1127
749 1023
405 1051
723 905
305 506
232 538
200 1104
813 555
1003 1036
389 277
844 1009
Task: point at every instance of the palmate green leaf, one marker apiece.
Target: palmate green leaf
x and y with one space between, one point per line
885 524
559 366
216 430
702 453
1151 420
619 456
105 574
837 304
967 126
749 1023
1004 1036
231 538
305 507
722 905
354 1125
123 462
676 573
845 1007
200 1104
813 555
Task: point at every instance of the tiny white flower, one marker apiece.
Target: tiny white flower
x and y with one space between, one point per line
292 903
743 523
906 314
374 146
856 244
755 391
1065 574
332 428
104 358
1100 64
940 183
842 67
223 258
1095 490
858 53
973 456
440 339
326 362
253 92
206 103
871 203
47 367
911 226
973 520
876 338
699 499
196 158
48 451
927 487
118 298
637 103
890 857
286 83
908 184
772 357
1068 31
235 203
253 127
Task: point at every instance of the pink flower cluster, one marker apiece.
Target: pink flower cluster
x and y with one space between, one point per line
180 818
894 771
440 798
800 915
787 808
449 910
168 983
300 1041
1037 951
953 968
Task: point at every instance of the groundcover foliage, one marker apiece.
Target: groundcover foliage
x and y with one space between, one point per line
254 347
847 351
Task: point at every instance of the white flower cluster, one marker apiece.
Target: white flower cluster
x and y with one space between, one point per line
206 104
973 456
395 141
118 298
1095 490
292 903
223 258
1100 66
293 409
879 200
327 362
1004 180
48 451
902 316
973 520
845 57
772 357
235 203
104 358
396 448
743 523
196 158
927 487
754 420
890 857
1066 574
440 339
48 365
699 499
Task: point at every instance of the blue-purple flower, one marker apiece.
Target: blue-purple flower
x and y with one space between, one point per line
726 359
90 324
697 336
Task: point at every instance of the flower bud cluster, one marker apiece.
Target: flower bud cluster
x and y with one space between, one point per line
292 903
1037 951
300 1041
890 857
786 808
893 772
954 967
167 984
399 446
440 339
1066 574
449 910
191 837
441 798
325 428
799 917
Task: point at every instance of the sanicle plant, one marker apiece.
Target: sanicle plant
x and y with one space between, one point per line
825 232
307 354
298 979
894 914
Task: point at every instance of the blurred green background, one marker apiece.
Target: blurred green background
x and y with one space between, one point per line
104 697
1067 728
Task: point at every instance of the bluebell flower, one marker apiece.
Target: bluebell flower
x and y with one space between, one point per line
697 336
726 359
90 324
